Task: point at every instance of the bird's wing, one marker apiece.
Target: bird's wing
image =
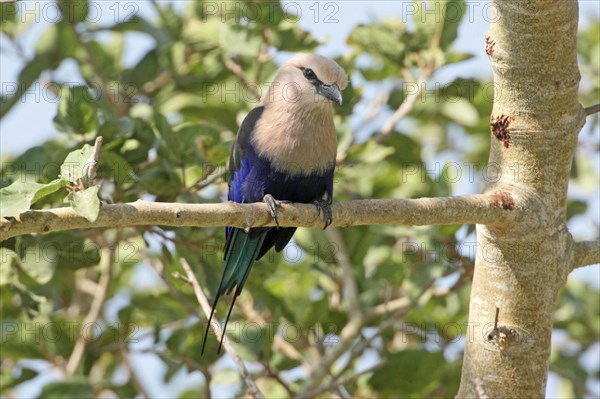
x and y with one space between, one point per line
241 248
238 151
236 175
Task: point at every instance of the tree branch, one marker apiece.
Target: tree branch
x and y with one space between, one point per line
343 381
406 107
345 264
92 163
203 301
591 110
95 309
238 71
348 336
586 253
489 209
411 98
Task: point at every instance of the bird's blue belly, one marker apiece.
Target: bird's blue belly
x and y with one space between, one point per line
257 177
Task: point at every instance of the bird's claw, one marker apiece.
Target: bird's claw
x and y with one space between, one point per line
325 206
272 205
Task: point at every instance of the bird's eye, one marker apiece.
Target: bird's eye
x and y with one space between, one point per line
309 74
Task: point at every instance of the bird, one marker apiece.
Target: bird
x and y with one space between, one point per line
285 151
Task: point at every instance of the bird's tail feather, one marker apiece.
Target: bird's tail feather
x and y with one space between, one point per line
241 255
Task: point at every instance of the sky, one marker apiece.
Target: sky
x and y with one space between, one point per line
30 122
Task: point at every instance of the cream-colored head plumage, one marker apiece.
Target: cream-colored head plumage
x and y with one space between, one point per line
291 86
296 130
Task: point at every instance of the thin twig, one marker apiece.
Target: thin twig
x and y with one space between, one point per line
92 162
116 103
411 98
203 301
275 375
339 382
207 377
263 57
280 343
95 309
136 382
496 318
193 365
159 269
592 109
343 261
237 70
348 335
406 107
389 307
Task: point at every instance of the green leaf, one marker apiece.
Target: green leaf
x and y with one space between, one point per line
28 75
47 189
7 380
239 41
38 260
292 38
161 181
115 168
19 196
576 207
75 165
15 344
86 203
453 12
73 11
7 271
106 58
68 389
453 58
66 250
58 42
370 152
460 111
8 13
383 39
40 163
146 69
420 372
76 110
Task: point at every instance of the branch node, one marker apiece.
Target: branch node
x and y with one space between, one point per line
503 200
500 125
507 338
489 45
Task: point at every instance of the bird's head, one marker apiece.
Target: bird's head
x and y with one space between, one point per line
308 79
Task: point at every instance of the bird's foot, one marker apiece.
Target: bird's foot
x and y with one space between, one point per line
272 205
325 206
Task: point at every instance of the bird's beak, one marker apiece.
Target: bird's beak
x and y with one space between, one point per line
331 92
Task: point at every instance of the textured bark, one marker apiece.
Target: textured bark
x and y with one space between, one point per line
471 209
520 269
586 253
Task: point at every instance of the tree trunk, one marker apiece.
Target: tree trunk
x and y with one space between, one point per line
521 267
